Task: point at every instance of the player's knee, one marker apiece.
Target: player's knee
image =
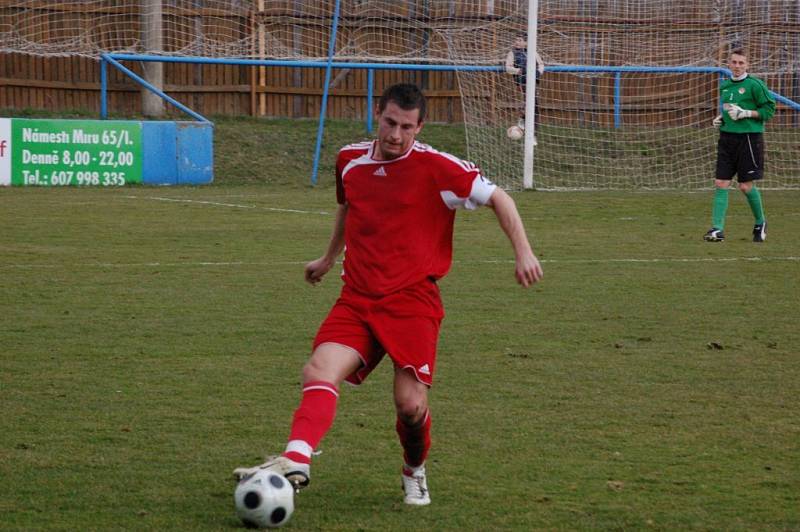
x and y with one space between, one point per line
746 186
722 183
411 409
317 370
331 363
311 371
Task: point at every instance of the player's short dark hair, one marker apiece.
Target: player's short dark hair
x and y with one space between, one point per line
739 50
406 96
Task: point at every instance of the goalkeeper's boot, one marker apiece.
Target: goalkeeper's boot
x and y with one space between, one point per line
298 474
714 235
760 232
415 486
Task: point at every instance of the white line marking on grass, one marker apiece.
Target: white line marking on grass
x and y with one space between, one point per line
633 260
221 204
154 264
484 261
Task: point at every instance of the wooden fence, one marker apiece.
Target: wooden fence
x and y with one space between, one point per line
73 83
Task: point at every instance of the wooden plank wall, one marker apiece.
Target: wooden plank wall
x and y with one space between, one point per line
73 83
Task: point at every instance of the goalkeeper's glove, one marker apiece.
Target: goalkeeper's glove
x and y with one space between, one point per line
737 113
717 121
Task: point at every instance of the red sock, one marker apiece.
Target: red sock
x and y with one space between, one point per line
415 439
312 419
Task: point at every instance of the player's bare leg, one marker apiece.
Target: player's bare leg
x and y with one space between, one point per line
413 428
328 366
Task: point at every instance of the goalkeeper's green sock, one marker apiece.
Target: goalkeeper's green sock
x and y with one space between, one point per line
754 200
719 209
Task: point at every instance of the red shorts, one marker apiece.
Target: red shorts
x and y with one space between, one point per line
404 324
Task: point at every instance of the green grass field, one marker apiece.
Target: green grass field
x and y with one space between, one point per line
152 340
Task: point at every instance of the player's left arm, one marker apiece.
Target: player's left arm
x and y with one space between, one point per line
765 103
528 270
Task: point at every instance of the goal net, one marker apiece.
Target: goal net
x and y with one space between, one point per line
630 90
597 125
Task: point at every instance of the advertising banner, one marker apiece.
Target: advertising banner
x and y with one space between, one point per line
48 152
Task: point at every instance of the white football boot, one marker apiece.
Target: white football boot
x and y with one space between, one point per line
295 472
416 487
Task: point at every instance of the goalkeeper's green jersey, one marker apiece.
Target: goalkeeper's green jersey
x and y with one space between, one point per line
750 93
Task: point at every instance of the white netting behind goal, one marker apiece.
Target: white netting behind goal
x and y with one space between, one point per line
594 129
384 30
631 129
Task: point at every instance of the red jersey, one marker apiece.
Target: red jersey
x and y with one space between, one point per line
399 225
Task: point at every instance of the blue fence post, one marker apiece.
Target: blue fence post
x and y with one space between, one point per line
370 87
103 88
323 110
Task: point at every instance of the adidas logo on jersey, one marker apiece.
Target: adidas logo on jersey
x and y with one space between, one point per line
425 370
381 171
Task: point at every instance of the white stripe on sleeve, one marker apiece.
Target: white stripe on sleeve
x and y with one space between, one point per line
482 190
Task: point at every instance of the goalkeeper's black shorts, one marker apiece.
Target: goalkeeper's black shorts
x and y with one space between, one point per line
742 154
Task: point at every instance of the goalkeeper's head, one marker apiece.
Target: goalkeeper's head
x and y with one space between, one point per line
737 62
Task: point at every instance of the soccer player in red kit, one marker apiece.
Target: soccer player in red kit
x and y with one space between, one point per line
394 221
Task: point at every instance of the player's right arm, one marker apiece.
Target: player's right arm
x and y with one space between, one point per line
316 269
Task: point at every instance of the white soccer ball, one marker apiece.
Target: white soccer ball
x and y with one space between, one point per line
515 132
264 499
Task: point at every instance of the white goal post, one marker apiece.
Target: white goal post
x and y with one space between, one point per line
530 95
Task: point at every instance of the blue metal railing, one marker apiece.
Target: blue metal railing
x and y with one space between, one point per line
618 71
113 59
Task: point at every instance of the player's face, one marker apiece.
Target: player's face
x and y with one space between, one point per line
738 64
397 129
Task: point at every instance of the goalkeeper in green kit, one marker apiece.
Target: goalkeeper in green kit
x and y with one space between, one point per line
746 105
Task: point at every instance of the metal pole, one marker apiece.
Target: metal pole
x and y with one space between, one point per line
303 64
153 39
103 88
530 94
141 81
370 87
328 69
